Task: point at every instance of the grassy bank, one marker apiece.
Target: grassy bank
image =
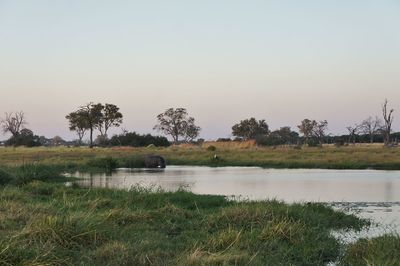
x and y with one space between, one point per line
44 222
328 157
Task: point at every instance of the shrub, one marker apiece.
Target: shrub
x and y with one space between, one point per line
29 172
5 177
136 140
132 162
211 148
25 138
224 140
106 163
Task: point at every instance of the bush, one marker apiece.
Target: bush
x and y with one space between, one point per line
106 163
282 136
136 140
132 162
224 140
211 148
29 172
314 143
5 177
25 138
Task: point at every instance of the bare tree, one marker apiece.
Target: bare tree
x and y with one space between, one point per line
353 132
371 127
388 120
13 123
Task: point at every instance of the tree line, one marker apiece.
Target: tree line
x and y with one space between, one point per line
314 132
181 127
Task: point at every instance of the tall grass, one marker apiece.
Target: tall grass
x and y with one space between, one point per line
383 250
45 223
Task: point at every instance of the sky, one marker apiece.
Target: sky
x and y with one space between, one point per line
224 61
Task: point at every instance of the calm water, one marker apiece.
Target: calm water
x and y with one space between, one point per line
256 183
368 193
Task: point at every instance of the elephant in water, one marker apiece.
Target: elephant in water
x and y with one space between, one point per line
154 161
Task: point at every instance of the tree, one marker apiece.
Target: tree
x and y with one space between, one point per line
388 120
319 130
87 117
177 123
94 116
282 136
111 118
192 131
13 123
353 132
78 123
57 141
307 127
250 128
371 127
136 140
24 138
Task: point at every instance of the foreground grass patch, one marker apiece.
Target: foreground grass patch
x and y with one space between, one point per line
384 250
49 224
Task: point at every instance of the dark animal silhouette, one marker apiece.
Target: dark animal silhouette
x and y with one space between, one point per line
154 161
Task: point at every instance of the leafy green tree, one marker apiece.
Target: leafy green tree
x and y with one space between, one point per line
78 123
306 128
112 117
87 117
250 128
177 123
92 113
136 140
287 136
94 116
24 138
282 136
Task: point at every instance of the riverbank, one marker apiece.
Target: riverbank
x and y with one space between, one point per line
42 221
328 157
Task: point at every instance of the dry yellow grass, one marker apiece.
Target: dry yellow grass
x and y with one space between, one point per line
249 144
229 154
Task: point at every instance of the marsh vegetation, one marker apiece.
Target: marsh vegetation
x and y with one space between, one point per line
45 222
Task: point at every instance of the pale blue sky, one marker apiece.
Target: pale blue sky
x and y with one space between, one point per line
223 60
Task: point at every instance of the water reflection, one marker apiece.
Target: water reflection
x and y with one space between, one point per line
291 185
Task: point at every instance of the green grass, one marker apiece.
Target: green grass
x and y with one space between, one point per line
328 157
46 223
384 250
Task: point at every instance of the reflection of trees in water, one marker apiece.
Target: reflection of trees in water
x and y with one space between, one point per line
153 179
258 183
